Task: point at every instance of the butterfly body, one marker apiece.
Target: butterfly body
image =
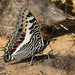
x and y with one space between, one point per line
26 39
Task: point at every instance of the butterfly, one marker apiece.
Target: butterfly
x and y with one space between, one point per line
26 40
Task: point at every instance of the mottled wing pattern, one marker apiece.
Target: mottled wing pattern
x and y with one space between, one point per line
26 39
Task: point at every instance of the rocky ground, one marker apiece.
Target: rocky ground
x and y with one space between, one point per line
62 59
62 50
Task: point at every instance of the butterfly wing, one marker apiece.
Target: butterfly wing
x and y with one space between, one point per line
26 40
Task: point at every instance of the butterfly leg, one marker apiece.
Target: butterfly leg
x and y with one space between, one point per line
31 61
47 55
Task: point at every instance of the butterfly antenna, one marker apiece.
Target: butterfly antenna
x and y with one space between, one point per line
51 34
66 7
47 42
55 30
